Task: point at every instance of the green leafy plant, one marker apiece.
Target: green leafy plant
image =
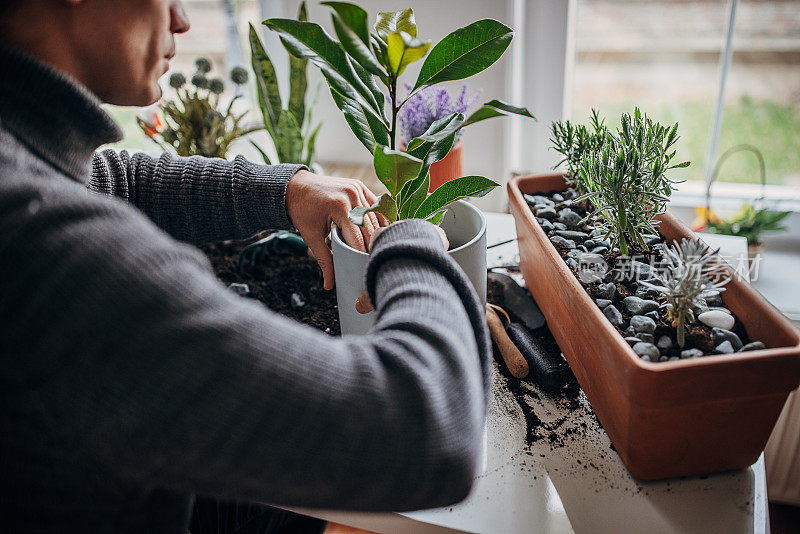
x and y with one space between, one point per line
750 222
363 57
622 175
685 273
575 142
290 129
197 123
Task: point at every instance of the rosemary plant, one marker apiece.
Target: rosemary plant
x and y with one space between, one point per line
625 180
685 274
576 141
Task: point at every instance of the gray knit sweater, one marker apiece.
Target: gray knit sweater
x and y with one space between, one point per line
133 379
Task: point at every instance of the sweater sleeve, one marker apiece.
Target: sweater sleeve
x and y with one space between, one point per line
198 199
166 378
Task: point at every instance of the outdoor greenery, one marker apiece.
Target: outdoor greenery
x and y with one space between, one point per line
622 175
362 58
290 129
685 273
750 222
197 123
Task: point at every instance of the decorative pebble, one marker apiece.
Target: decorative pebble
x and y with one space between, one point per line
297 301
558 197
546 225
538 199
673 358
717 319
640 323
646 349
605 243
653 315
573 263
632 340
755 345
603 302
647 338
664 343
641 271
565 243
646 293
573 234
607 291
646 358
691 353
559 226
599 250
575 253
639 306
547 213
596 233
651 240
718 335
663 359
613 315
582 248
240 289
724 348
590 244
569 217
712 298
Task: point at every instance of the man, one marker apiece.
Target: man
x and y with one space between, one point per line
132 378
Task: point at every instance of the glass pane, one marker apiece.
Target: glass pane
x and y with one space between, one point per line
762 101
659 55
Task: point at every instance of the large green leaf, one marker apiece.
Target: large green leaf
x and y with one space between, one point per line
289 141
308 40
354 17
466 186
439 129
437 217
369 81
380 49
497 108
298 81
465 52
385 205
396 21
417 194
269 96
368 129
358 50
311 146
402 50
395 168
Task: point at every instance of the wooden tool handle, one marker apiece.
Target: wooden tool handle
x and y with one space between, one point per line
511 355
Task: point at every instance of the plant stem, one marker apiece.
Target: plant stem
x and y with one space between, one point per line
395 107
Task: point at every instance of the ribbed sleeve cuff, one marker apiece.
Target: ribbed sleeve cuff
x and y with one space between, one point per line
266 192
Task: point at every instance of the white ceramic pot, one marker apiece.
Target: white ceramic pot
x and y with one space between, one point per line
465 227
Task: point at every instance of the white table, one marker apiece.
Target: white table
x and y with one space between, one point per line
579 485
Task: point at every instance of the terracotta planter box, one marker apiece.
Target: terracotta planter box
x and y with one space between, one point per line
668 419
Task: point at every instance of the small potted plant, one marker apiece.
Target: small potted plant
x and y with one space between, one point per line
290 129
686 378
353 66
198 123
752 219
423 109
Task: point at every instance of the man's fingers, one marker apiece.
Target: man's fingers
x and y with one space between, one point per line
363 304
351 233
378 220
324 258
370 223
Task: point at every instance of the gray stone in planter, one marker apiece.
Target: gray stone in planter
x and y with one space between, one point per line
639 306
590 244
664 343
604 243
651 240
557 197
646 293
538 199
646 349
724 348
546 225
712 298
718 335
596 233
613 315
717 319
565 243
607 291
599 250
754 345
575 254
673 358
653 315
573 263
691 353
547 213
647 338
640 323
582 248
559 226
573 234
602 303
569 217
631 340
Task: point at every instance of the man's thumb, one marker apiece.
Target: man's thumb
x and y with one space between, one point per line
324 258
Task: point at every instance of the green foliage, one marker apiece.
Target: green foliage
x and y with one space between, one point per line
196 123
685 272
363 57
750 222
623 175
290 129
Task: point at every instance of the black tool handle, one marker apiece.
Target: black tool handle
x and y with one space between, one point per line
546 370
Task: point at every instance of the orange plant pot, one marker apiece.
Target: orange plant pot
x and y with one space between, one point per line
669 419
451 167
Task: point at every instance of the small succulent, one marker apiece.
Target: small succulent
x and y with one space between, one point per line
685 273
196 123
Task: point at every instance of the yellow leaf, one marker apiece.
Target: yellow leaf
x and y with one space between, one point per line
403 49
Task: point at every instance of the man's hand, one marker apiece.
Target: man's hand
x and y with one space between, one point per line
313 202
363 304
